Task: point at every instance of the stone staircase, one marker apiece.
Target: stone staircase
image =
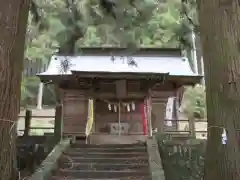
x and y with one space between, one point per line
95 162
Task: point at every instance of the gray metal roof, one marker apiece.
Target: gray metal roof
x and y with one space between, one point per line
174 65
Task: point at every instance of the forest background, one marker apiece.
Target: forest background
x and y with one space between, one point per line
64 26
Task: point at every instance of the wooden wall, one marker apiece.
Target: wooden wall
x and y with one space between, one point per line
75 109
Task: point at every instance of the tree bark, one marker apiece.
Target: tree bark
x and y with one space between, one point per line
13 23
220 37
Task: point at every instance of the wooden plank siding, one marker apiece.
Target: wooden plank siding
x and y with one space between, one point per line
75 94
75 109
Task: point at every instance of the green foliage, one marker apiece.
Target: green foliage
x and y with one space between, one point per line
78 23
189 8
182 162
49 97
194 102
39 44
28 89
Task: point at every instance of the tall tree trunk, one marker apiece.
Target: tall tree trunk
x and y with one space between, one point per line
220 36
13 23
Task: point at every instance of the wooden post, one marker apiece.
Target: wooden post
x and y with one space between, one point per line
40 95
175 106
28 117
58 123
192 127
119 118
149 116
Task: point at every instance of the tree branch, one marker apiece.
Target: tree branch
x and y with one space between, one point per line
34 12
185 13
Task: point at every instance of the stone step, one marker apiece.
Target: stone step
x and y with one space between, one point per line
100 149
125 178
100 174
117 160
74 153
77 145
103 167
108 161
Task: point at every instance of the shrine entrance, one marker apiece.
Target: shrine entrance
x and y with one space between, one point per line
118 117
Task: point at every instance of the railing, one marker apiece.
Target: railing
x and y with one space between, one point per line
35 125
190 127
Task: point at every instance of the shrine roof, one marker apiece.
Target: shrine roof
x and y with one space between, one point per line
116 60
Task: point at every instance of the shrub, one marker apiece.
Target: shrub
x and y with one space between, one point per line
182 161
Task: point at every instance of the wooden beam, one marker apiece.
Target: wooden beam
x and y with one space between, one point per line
120 75
102 95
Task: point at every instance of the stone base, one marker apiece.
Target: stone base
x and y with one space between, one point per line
115 139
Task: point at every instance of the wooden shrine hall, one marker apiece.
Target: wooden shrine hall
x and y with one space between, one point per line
129 91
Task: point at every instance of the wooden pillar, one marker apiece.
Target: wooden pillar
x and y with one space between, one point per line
28 117
119 119
149 115
192 127
58 123
40 95
176 108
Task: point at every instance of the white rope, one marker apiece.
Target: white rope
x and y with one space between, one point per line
11 121
224 133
